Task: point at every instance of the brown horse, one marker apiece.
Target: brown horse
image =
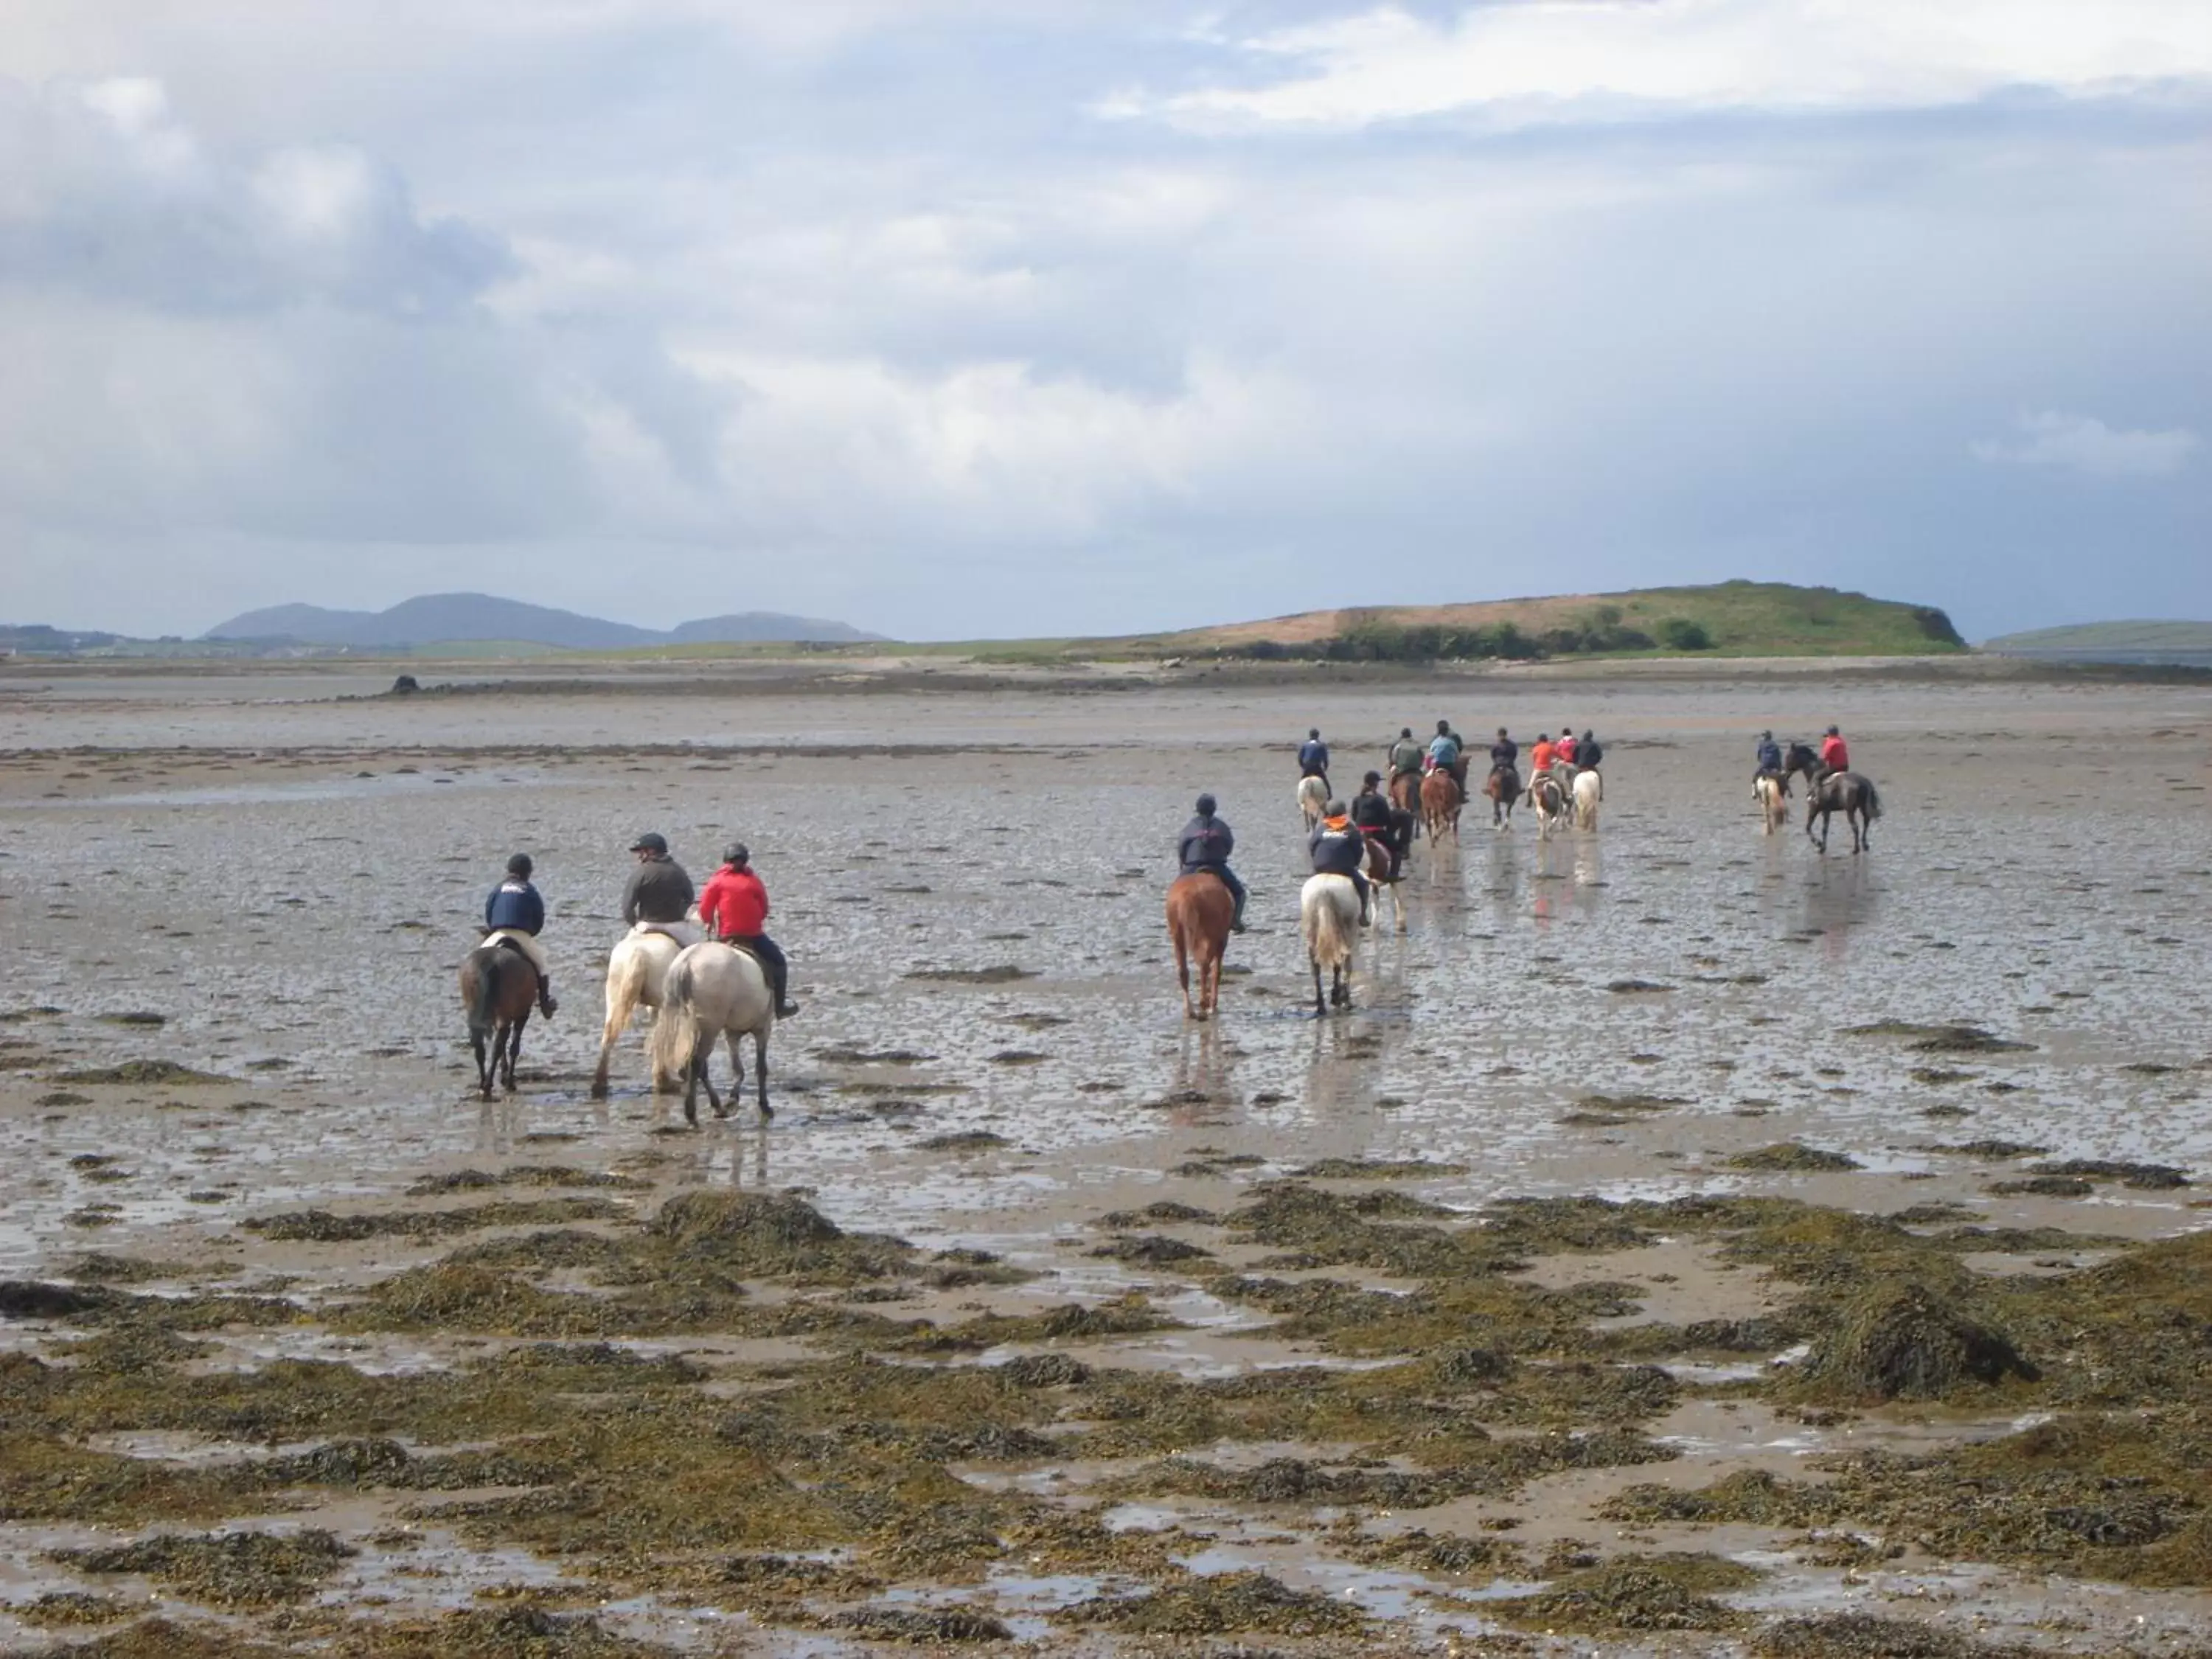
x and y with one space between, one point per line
1380 865
1406 795
1440 800
498 987
1200 909
1503 786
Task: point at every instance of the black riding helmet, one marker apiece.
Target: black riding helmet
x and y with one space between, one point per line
1206 807
1443 728
1371 778
1314 731
651 842
519 864
736 853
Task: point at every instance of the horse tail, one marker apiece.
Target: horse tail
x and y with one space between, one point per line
1873 802
483 1006
1327 940
675 1033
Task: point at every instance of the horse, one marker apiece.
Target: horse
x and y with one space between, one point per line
714 990
1800 758
1379 878
1406 795
1773 794
637 972
1200 910
1590 790
498 987
1440 800
1313 800
1847 793
1503 786
1550 801
1328 921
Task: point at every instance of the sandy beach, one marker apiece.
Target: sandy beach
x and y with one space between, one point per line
1690 1243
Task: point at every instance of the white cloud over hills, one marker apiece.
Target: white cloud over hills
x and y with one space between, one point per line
1013 317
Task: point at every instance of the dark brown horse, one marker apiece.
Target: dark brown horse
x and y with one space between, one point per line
1200 910
1853 796
1503 786
498 987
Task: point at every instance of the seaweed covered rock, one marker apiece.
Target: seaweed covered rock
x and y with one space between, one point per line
1663 1592
1209 1606
1870 1636
1904 1341
743 1233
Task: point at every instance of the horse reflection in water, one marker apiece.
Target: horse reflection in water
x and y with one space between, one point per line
1204 1087
1838 899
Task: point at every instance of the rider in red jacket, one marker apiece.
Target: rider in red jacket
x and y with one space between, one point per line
734 908
1834 755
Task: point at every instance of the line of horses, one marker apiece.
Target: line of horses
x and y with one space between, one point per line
702 994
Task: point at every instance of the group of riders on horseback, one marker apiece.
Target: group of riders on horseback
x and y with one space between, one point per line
1382 813
659 897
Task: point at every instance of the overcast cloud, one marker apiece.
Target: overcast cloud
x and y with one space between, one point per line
1042 316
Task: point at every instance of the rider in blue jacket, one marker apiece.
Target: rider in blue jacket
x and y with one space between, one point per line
1313 756
1769 755
1205 846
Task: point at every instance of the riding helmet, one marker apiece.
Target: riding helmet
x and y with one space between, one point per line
651 842
1206 807
736 853
519 864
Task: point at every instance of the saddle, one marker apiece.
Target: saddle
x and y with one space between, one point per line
683 932
508 939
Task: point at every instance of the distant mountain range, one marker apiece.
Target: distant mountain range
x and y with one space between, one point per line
439 618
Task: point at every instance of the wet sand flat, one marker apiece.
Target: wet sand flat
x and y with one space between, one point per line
1286 1292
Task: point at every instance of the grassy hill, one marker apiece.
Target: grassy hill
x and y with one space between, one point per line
2133 639
1736 618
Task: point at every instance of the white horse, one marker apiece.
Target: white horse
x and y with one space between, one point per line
637 973
1773 800
1549 797
1313 800
1590 790
714 990
1328 921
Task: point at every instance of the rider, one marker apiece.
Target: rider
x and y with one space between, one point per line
515 909
1587 753
658 890
1540 757
1377 819
1204 846
1313 756
1565 748
1834 755
734 908
1405 755
1770 758
1443 749
1340 849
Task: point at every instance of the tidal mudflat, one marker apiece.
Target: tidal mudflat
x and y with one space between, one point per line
1689 1244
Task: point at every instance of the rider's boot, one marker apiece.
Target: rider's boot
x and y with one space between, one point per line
1236 916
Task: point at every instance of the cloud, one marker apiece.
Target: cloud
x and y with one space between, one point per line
867 312
1551 61
2079 443
103 190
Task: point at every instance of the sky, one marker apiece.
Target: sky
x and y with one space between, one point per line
963 318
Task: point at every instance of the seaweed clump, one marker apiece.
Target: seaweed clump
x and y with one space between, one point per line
1904 1341
769 1234
1654 1592
1793 1157
1248 1601
141 1072
1870 1636
225 1569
